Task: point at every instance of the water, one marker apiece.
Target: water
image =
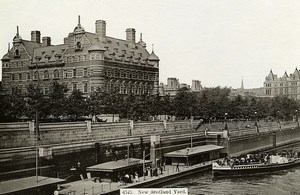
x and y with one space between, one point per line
284 182
281 183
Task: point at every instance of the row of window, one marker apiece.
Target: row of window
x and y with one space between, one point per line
16 64
74 86
82 58
47 75
126 88
119 73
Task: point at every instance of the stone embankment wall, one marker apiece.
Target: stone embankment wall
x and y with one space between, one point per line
14 135
252 139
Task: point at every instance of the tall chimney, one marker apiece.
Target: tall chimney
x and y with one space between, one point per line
46 41
130 36
101 30
36 36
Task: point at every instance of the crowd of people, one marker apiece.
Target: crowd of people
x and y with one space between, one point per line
260 158
149 171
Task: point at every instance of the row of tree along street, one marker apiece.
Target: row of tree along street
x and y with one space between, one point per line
209 104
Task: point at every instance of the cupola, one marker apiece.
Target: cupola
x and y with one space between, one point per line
141 42
78 29
153 56
17 38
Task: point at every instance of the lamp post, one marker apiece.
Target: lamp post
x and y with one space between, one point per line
255 117
144 168
297 118
225 118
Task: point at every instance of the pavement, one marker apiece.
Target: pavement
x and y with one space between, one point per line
89 187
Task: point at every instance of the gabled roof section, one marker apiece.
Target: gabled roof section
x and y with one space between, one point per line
295 75
285 75
26 50
271 75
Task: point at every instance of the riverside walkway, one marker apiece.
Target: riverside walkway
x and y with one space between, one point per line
89 187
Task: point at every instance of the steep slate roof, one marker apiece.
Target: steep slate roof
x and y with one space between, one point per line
117 47
49 51
152 56
30 46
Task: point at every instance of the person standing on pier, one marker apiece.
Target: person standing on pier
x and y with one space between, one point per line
177 167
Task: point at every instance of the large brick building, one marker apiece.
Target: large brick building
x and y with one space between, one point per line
85 61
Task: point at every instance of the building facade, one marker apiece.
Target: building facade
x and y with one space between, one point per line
173 85
85 61
287 85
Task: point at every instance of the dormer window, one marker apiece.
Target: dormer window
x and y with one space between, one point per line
46 74
17 53
78 46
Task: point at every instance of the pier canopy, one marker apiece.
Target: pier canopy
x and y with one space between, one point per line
112 170
195 155
29 185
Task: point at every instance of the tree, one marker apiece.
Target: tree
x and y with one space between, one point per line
113 102
12 106
185 103
57 99
76 105
214 102
35 101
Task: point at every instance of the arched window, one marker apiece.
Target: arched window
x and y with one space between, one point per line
17 53
128 74
46 74
56 73
117 86
78 45
122 74
135 88
122 88
129 88
140 89
36 75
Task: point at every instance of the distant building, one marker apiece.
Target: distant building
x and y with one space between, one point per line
173 85
84 61
254 92
287 85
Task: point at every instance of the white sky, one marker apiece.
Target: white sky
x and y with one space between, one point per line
215 41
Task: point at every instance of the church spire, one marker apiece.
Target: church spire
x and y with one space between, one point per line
242 84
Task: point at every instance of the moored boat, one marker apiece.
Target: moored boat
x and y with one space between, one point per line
274 163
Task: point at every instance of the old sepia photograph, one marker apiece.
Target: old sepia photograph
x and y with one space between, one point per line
160 97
